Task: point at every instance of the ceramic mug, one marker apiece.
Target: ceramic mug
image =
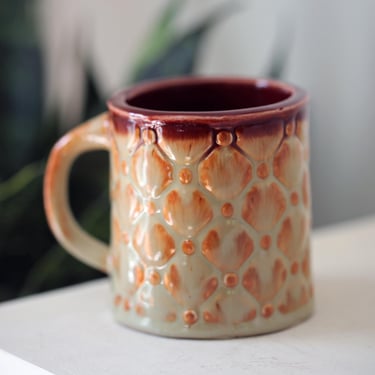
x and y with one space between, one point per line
210 205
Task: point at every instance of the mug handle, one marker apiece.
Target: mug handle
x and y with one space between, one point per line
89 136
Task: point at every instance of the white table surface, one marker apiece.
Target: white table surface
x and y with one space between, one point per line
71 331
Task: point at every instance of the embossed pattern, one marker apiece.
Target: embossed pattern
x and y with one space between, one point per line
211 228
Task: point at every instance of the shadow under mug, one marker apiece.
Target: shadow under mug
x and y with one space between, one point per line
210 205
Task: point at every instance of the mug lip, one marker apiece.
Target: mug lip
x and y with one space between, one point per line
118 102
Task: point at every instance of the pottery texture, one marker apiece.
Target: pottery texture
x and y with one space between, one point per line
210 226
210 205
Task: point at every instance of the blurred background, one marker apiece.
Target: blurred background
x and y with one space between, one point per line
60 60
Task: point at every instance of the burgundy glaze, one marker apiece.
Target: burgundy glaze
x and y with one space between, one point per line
186 106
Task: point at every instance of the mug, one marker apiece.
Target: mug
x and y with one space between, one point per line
210 205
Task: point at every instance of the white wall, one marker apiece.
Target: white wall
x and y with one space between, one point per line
332 56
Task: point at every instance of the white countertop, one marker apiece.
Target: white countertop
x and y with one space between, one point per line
71 331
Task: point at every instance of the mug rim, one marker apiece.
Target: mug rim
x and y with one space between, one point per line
118 103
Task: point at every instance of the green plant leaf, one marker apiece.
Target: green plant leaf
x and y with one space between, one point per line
281 51
158 39
21 180
180 56
30 259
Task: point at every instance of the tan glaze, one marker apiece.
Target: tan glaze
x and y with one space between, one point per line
187 213
264 205
92 135
227 246
210 199
265 290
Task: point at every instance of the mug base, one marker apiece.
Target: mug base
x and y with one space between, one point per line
203 330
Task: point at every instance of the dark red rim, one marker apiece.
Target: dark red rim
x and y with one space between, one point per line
119 105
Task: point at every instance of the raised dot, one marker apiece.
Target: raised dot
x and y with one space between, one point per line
126 305
290 129
224 138
171 317
294 268
230 280
265 242
154 278
262 171
294 198
188 247
117 300
190 317
267 310
227 210
148 136
185 176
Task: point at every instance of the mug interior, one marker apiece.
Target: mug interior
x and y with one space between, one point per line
208 96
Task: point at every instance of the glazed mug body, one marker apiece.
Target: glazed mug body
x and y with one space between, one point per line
210 206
